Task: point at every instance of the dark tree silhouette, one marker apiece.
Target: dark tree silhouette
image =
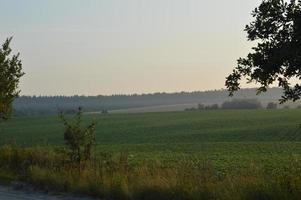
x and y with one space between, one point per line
277 56
242 104
272 105
10 73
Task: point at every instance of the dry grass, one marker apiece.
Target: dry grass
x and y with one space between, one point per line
115 178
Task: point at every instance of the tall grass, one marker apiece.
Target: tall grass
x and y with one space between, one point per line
114 177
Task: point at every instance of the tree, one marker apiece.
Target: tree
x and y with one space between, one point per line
286 107
242 104
79 140
277 56
272 105
10 74
201 106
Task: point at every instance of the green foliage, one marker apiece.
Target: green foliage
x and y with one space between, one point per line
79 140
286 107
10 73
202 107
242 104
272 105
276 58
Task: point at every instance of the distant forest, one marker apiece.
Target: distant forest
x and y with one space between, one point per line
46 105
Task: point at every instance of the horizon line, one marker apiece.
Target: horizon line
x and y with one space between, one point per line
141 94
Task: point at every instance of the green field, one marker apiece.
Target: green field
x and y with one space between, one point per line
225 138
221 154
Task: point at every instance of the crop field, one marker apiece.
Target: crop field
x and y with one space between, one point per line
225 138
220 154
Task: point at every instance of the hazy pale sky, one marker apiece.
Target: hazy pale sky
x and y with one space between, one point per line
96 47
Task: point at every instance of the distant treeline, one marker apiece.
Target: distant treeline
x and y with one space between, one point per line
240 104
233 104
45 105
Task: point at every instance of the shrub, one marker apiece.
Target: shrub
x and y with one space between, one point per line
104 111
242 104
212 107
201 106
272 105
190 109
79 140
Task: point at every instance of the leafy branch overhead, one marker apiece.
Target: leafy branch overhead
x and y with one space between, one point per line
10 74
277 57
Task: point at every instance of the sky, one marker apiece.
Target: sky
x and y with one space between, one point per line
93 47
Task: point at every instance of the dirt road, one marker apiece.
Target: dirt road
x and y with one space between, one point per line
8 193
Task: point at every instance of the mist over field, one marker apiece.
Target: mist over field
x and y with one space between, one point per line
26 105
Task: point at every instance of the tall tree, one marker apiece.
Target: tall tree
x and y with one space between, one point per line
277 57
10 74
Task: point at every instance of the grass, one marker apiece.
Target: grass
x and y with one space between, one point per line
174 127
223 154
224 137
115 178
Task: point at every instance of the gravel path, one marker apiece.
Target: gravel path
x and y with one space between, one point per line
8 193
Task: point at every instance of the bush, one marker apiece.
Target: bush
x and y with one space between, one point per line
208 107
212 107
104 111
190 109
79 140
272 105
242 104
201 106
